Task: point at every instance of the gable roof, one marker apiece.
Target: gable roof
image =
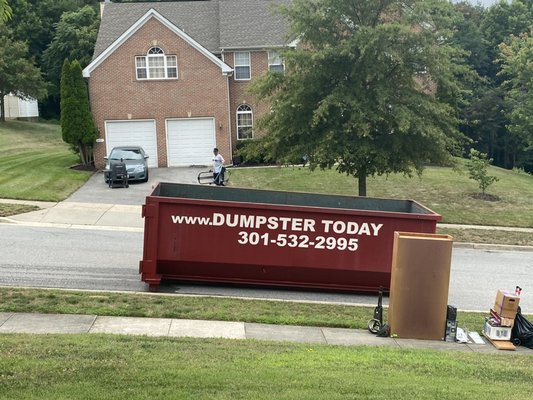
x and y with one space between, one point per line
214 24
151 13
197 18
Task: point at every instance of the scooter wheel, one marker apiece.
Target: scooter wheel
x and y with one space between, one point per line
374 325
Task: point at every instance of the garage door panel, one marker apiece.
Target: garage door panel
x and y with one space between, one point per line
190 141
133 133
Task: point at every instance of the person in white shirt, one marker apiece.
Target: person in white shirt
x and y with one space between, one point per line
218 168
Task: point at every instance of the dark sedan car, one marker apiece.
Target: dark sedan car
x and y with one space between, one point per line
135 159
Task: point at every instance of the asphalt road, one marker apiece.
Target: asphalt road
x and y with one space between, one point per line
109 260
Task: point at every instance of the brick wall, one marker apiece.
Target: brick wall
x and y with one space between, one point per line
200 90
239 94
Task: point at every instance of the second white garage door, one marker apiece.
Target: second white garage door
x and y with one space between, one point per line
190 141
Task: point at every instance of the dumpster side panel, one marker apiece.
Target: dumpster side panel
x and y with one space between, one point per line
222 241
148 265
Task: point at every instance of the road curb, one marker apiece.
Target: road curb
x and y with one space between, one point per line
489 247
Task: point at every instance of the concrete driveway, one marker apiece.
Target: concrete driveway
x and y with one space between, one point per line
97 191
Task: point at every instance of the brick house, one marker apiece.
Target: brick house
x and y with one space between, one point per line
172 76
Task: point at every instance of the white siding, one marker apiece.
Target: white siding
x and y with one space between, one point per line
28 108
16 107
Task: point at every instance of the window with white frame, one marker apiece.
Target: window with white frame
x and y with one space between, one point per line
156 65
275 62
242 65
245 122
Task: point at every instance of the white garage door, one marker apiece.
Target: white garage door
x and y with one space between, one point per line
133 133
190 141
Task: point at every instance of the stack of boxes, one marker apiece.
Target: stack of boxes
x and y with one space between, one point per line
500 323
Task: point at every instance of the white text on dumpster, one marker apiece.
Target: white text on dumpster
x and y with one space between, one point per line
281 223
330 228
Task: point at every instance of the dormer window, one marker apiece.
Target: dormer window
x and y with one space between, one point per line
156 65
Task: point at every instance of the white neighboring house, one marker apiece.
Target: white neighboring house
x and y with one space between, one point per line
15 107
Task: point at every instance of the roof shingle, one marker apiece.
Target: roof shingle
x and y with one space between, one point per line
214 24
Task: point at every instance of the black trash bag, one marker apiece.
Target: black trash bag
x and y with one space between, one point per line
522 332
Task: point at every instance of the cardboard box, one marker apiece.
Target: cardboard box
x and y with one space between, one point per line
497 332
501 321
506 304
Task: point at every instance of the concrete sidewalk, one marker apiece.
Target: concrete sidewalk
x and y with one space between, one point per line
13 323
67 214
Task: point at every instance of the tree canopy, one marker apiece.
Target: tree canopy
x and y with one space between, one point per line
517 70
18 74
74 38
486 120
35 22
5 10
368 88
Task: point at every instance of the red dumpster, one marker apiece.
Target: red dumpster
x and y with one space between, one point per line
198 233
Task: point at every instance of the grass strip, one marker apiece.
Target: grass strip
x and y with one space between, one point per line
489 236
59 367
203 308
8 209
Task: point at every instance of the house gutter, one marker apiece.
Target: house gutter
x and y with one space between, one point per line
248 48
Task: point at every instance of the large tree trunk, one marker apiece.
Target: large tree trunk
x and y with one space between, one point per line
361 178
86 153
81 152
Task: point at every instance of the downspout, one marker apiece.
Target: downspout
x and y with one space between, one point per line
230 127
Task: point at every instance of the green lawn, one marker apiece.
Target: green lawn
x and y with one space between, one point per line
118 367
446 191
35 163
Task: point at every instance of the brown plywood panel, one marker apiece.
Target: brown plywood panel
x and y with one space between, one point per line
501 344
420 280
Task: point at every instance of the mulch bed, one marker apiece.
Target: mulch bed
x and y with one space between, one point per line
485 197
84 167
